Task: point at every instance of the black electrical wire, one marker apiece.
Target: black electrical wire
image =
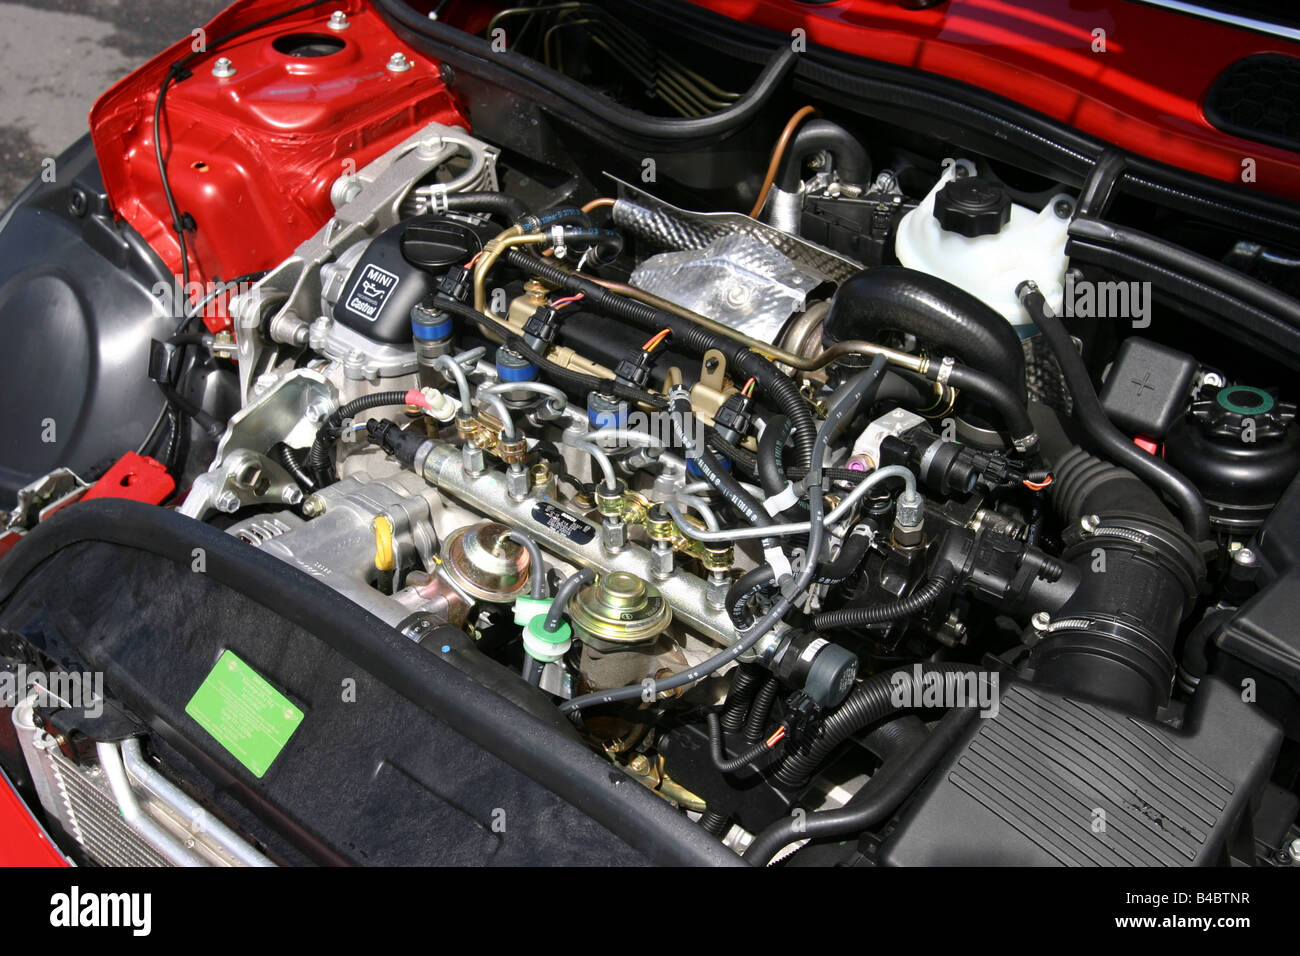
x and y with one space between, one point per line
1092 418
288 458
760 709
714 822
879 798
872 700
719 757
318 459
745 682
920 599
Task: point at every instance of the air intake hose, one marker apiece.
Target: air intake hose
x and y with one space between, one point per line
1140 572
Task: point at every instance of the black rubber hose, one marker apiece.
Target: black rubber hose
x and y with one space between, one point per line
871 701
846 563
714 822
920 599
940 314
560 216
874 804
1216 274
1090 414
852 164
288 458
768 463
563 594
552 89
744 685
739 762
1002 397
898 736
1201 301
774 385
497 204
760 710
318 459
752 583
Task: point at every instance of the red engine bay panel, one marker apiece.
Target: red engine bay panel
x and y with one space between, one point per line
1133 75
251 156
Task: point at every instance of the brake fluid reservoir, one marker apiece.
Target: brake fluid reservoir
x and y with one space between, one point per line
967 231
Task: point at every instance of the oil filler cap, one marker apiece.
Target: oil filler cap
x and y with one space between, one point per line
974 206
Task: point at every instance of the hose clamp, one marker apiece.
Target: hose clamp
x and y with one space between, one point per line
945 369
438 198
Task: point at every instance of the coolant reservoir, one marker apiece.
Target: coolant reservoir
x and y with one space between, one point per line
983 242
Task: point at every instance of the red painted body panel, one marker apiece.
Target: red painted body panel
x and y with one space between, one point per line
252 157
22 841
1145 93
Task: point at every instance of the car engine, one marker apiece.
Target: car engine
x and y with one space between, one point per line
860 495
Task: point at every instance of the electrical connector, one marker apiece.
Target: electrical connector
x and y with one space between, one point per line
732 420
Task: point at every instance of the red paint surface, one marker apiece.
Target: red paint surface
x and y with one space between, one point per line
136 478
252 157
1144 94
22 841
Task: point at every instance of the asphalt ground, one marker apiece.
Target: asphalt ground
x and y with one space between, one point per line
57 56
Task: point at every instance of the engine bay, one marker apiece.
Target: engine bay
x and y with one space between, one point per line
866 497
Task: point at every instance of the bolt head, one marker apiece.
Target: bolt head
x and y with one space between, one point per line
1245 557
227 502
291 495
399 63
223 68
1089 523
1041 621
1293 851
339 20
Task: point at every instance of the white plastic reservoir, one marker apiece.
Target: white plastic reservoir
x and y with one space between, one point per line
1029 245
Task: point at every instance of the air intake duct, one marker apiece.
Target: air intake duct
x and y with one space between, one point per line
1140 573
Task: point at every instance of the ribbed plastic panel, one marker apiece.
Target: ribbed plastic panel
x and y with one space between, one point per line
1055 780
1049 763
1258 98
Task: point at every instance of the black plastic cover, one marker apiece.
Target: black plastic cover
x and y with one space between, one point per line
77 317
1261 642
1146 390
400 267
1055 781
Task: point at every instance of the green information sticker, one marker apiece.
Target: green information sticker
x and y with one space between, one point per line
245 714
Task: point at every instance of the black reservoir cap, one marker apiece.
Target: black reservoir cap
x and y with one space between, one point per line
973 206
